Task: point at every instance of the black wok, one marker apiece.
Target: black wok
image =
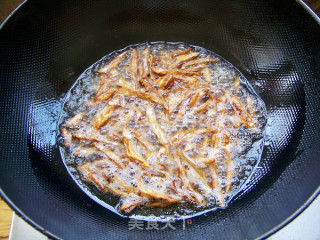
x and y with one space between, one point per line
46 45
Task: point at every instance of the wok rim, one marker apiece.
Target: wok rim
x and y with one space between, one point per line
292 216
308 9
38 227
11 14
272 231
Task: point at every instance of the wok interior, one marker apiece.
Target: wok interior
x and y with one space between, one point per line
48 45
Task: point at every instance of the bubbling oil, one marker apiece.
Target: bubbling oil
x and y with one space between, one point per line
249 143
